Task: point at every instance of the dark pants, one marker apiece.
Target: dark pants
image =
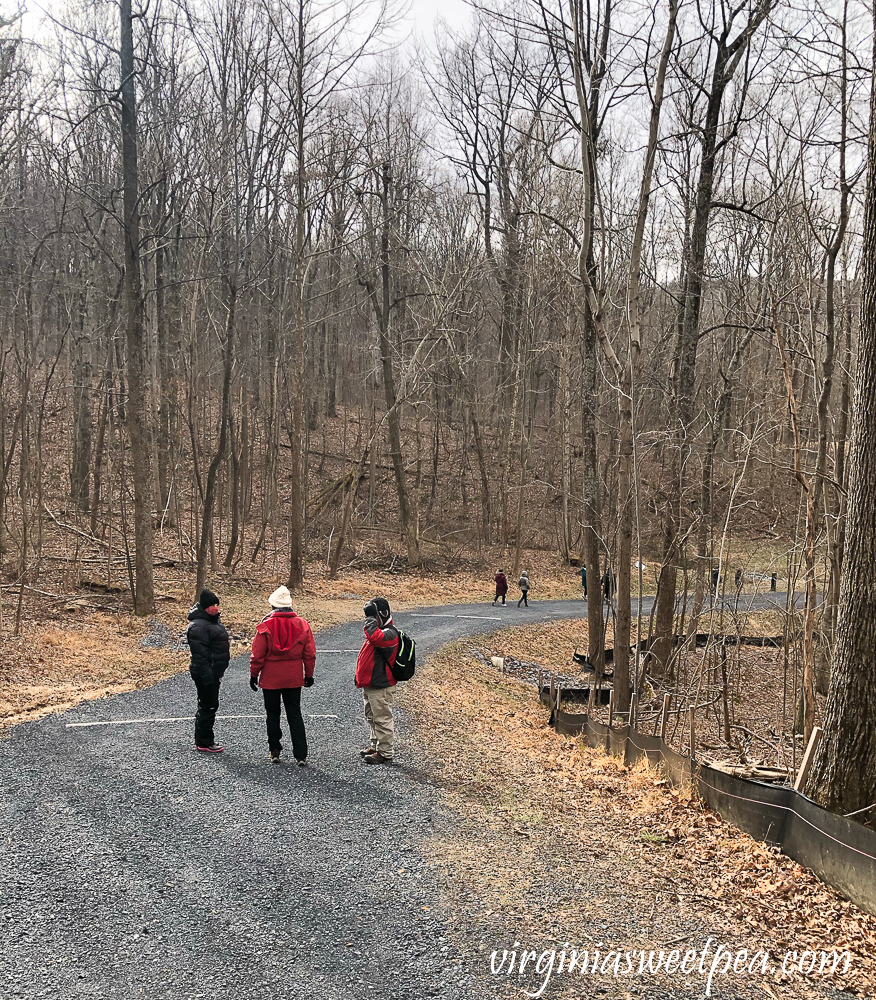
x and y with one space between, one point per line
523 599
496 598
292 700
208 705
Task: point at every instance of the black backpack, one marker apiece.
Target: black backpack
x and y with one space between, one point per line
405 659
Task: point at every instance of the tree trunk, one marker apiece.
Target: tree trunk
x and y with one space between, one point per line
843 777
204 541
382 304
297 479
80 472
136 410
728 58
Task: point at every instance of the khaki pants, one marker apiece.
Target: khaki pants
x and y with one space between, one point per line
378 715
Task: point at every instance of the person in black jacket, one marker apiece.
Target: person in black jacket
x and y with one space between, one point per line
208 642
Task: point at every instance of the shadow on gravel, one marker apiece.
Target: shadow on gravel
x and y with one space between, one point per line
317 781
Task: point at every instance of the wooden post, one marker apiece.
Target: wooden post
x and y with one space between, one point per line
610 708
664 717
634 705
559 696
808 757
591 700
553 692
693 732
540 682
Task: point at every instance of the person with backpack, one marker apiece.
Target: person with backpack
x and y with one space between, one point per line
210 653
523 584
501 587
281 664
375 677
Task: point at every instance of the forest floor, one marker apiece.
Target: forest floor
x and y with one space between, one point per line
762 687
561 845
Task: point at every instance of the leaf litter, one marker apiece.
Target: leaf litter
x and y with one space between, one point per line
557 842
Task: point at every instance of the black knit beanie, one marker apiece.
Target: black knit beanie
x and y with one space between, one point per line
207 599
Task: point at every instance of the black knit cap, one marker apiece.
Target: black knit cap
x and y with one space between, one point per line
207 599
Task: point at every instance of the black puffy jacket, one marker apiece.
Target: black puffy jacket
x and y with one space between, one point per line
208 642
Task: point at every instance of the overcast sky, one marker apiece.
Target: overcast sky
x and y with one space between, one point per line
419 23
424 12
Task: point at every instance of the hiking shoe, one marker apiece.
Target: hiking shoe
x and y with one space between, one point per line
275 756
367 751
377 758
212 748
301 763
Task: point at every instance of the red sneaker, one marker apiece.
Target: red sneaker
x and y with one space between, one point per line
213 748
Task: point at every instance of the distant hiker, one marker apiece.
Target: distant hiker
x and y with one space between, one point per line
374 677
281 663
584 581
609 585
523 584
501 587
716 575
738 578
208 642
773 580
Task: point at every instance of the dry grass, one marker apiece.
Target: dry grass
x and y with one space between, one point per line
539 809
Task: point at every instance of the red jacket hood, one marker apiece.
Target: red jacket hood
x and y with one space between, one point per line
284 628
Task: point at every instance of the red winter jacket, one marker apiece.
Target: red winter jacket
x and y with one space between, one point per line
377 655
283 651
501 585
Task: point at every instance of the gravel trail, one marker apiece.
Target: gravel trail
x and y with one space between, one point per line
134 867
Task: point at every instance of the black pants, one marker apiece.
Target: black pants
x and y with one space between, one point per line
523 599
292 700
496 598
208 705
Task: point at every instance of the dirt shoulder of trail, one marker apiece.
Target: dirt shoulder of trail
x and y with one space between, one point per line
554 844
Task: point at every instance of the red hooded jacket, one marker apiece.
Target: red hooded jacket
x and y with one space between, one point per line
283 651
377 655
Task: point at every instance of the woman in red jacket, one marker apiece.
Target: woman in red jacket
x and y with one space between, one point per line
501 587
282 661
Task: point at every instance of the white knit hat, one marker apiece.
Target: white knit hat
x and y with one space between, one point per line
281 598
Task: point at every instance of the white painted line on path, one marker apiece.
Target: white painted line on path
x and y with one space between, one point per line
129 722
486 618
337 651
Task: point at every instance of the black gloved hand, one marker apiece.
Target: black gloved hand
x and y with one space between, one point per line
370 610
308 682
253 683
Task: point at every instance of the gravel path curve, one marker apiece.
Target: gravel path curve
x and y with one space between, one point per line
134 867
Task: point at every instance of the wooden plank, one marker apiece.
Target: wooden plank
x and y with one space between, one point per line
664 717
610 707
692 730
808 757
